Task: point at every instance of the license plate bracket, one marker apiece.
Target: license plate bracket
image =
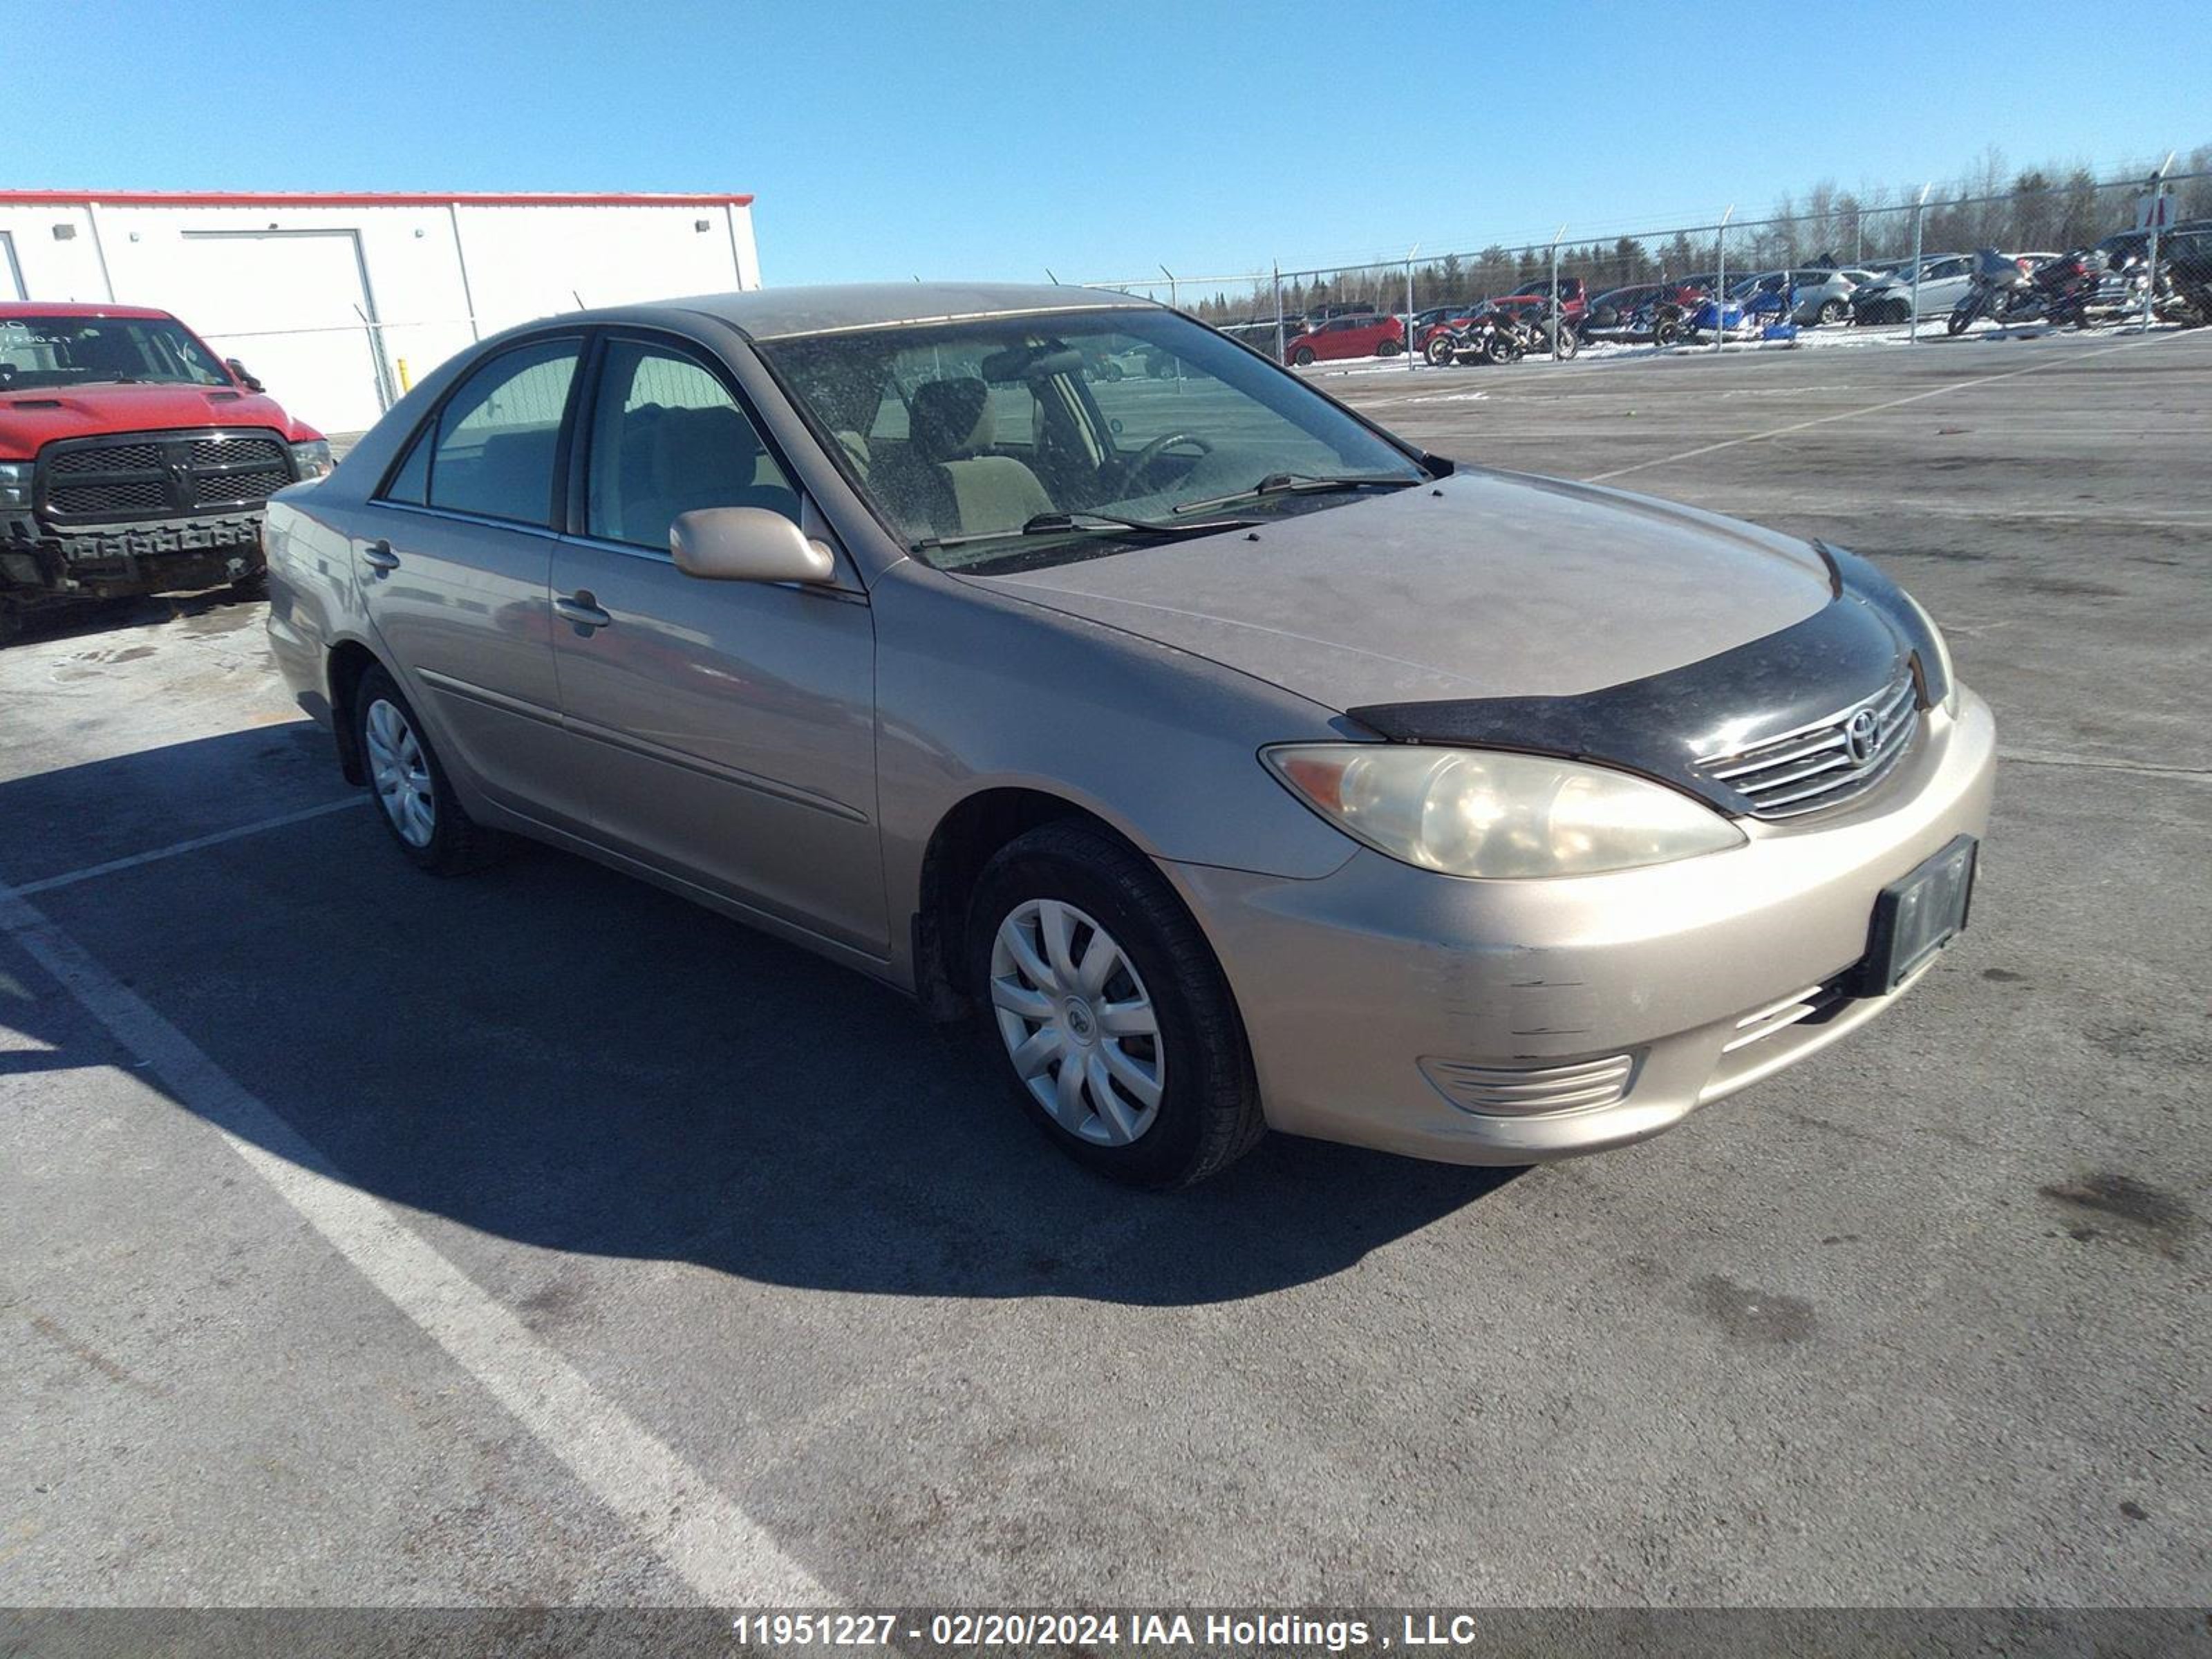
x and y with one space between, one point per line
1917 915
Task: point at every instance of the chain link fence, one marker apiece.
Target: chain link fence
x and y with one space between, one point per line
1841 268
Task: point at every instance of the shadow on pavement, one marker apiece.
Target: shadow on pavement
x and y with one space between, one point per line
554 1053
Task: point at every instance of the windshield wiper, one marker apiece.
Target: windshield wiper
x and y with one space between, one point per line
1300 483
1087 522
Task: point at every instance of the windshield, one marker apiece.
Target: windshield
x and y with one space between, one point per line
1019 441
61 351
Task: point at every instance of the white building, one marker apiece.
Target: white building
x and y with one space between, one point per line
338 303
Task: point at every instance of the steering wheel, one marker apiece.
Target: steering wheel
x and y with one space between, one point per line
1145 458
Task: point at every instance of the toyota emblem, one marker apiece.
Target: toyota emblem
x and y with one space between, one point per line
1861 735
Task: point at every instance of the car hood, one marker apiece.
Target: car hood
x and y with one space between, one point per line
30 416
1482 585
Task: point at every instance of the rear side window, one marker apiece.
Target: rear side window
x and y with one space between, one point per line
498 436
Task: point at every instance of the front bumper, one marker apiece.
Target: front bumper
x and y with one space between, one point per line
39 562
1357 988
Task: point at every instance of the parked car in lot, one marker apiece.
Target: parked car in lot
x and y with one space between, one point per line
1232 761
1359 334
1944 280
132 459
1574 302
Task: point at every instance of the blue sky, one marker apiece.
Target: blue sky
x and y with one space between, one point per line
995 140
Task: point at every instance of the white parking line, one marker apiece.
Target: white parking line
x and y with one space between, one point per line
2054 362
703 1536
47 883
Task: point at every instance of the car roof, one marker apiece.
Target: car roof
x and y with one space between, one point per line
76 308
770 313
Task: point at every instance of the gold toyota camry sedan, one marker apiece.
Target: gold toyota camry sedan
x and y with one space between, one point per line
1231 763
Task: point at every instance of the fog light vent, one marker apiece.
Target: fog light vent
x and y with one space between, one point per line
1521 1090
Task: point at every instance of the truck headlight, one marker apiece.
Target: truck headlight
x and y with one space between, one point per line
15 483
311 459
1491 812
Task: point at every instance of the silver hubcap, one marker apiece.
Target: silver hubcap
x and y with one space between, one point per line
1078 1022
400 773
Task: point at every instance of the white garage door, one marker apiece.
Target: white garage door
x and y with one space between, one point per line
291 305
11 274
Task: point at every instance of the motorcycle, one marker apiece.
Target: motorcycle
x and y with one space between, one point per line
2003 289
1503 334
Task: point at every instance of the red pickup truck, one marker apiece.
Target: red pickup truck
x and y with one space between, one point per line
132 459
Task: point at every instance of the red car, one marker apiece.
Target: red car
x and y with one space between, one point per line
132 459
1368 334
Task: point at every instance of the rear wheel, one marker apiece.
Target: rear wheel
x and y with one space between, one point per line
1303 356
1666 331
1438 351
1122 1039
1834 311
1389 349
416 802
1566 344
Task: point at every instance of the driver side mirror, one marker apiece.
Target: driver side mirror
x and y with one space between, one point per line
746 544
244 380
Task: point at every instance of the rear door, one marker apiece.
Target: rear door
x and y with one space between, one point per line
730 725
454 562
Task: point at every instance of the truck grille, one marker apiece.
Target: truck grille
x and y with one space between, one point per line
1825 765
158 475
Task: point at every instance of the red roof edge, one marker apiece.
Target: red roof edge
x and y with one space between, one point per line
320 199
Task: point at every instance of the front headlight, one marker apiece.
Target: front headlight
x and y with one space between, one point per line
1490 812
15 483
311 459
1942 654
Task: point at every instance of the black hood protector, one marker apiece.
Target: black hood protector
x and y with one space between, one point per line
1661 725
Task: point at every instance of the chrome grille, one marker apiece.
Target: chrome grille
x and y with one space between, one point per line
151 474
1525 1090
1823 765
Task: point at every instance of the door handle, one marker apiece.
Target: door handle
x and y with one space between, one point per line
378 557
581 609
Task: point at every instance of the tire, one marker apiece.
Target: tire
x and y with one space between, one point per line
1206 1113
1834 311
1566 344
1114 371
1389 349
1962 320
1666 331
1303 356
450 843
1438 351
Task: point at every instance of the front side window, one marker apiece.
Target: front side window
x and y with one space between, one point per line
666 438
499 435
986 442
64 351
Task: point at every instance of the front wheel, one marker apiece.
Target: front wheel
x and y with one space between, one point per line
1666 331
1564 344
1962 318
1834 311
1303 356
418 805
1438 351
1122 1039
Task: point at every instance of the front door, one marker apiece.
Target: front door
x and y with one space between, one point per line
731 725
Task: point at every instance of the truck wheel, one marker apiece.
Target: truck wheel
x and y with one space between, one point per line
418 804
1121 1040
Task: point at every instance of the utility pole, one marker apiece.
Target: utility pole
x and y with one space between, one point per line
1912 323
